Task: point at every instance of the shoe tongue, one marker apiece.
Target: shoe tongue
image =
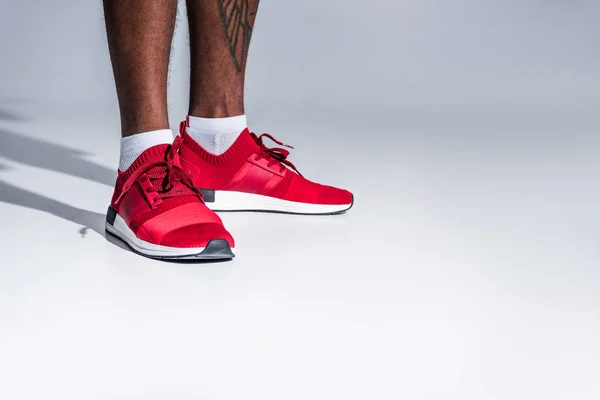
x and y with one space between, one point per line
248 140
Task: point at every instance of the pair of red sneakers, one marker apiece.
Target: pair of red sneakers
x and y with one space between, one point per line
163 205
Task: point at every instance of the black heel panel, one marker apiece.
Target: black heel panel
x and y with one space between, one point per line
111 215
209 195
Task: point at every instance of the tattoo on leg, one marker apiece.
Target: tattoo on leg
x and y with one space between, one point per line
237 19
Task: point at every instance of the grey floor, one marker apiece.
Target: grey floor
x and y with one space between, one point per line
468 269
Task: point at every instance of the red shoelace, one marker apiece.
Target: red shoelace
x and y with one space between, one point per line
274 154
167 178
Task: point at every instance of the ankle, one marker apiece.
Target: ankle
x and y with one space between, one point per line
131 129
134 122
224 110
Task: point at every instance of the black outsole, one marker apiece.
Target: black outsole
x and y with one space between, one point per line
216 250
287 212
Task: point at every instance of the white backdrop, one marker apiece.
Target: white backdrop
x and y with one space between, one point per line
417 59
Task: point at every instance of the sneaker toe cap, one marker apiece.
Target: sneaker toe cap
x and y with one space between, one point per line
332 195
305 191
197 235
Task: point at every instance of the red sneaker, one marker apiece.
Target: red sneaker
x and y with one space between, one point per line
252 177
159 213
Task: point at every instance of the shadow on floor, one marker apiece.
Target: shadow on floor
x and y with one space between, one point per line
6 115
53 157
24 198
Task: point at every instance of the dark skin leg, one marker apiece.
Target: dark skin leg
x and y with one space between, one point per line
140 33
220 32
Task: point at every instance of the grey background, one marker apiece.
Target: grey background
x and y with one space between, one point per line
428 62
468 269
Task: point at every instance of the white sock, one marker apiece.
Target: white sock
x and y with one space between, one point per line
216 135
133 146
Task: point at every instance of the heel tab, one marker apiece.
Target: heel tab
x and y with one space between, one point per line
183 125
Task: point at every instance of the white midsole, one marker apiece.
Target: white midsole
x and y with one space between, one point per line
239 201
121 230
